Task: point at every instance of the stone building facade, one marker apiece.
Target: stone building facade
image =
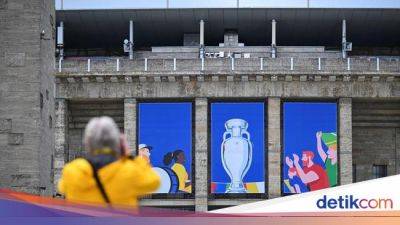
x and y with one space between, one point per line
368 106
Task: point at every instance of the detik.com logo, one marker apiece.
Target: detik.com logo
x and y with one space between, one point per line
350 202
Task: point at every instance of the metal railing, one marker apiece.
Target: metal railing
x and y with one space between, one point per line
113 64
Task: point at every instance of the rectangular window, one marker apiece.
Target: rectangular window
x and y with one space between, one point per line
379 171
237 148
309 146
165 139
354 173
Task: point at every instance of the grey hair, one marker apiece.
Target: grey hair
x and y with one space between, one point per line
102 132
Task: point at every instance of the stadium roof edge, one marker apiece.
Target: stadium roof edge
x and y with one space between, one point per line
211 4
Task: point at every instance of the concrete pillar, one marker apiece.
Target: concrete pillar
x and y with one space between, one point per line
130 39
61 139
274 147
345 141
130 123
344 53
60 40
201 32
397 144
201 39
201 153
273 39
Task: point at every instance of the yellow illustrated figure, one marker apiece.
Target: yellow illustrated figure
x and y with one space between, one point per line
108 174
178 167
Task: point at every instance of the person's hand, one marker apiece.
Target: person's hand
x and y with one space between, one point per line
125 151
295 158
318 135
289 162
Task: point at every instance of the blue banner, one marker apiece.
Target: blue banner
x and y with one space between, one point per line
309 146
165 139
237 147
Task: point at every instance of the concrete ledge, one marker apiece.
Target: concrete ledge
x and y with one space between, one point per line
71 80
99 79
317 78
167 202
291 77
228 202
142 79
204 87
157 79
259 78
171 79
390 79
375 78
332 78
128 79
303 78
114 79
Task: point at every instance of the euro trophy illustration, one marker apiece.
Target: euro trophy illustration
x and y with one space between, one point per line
236 153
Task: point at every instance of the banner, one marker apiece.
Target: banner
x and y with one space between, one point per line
237 147
165 139
310 155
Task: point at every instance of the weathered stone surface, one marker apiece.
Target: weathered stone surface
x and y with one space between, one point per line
15 59
3 4
201 161
345 140
274 147
5 125
15 138
130 123
61 138
26 70
374 146
229 88
375 137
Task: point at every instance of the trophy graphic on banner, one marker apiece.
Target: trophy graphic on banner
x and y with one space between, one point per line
236 153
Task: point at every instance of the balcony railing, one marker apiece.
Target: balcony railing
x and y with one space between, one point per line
227 65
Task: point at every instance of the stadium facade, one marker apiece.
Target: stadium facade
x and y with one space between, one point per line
281 66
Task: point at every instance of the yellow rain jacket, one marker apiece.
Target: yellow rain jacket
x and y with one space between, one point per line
124 181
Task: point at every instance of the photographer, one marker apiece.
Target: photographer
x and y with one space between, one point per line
108 175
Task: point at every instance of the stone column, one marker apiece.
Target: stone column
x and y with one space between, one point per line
130 122
345 141
397 144
274 147
201 154
61 139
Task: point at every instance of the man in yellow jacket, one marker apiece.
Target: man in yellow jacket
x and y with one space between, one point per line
108 174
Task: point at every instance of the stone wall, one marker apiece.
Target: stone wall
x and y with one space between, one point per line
376 135
224 86
26 95
79 114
